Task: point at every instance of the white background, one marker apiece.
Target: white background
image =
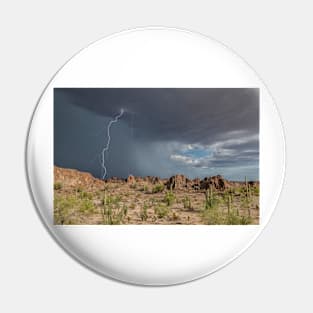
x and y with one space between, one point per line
37 37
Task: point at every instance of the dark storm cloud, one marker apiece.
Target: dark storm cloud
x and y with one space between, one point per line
186 115
158 122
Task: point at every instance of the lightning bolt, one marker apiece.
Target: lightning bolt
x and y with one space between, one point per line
107 146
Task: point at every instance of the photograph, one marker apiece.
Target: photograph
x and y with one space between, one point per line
156 156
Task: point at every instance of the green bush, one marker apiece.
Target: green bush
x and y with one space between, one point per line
86 205
112 212
215 216
144 212
169 198
68 209
187 203
111 199
158 188
211 199
57 186
85 195
144 188
212 216
256 190
161 211
234 219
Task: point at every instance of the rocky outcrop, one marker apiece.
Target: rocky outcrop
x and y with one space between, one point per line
74 178
178 182
115 180
156 180
151 179
254 183
131 179
182 182
196 184
217 182
141 180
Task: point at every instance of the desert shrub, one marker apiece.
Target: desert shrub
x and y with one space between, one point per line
71 209
144 212
169 198
215 216
241 189
161 211
63 209
85 195
86 205
57 186
175 216
158 188
108 199
187 203
212 216
211 199
235 219
246 203
133 186
82 194
125 210
112 212
144 188
116 199
256 190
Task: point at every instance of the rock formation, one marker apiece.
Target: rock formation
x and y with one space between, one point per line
177 182
74 178
217 182
131 179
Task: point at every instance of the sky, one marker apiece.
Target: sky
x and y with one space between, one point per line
196 132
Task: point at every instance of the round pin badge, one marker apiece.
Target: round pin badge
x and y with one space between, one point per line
155 156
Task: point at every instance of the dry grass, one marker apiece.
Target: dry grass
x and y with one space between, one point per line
122 203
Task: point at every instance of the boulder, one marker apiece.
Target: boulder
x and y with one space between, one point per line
254 183
217 182
131 179
114 179
155 180
195 184
177 182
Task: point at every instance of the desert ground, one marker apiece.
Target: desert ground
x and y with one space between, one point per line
81 199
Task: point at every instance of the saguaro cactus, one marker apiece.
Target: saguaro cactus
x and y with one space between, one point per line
247 189
229 204
104 204
209 197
